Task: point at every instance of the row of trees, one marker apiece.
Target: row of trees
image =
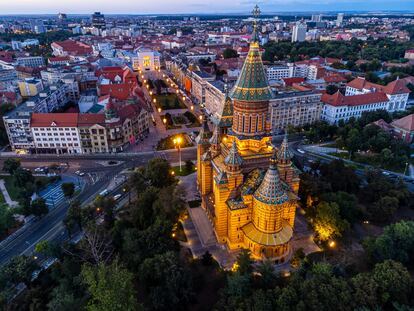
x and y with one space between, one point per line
375 51
365 142
336 199
317 286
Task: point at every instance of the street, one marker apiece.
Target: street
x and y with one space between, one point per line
50 227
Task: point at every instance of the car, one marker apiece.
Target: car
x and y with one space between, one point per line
117 196
385 173
301 151
79 173
104 193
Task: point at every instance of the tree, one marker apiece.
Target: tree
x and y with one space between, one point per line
111 288
328 222
244 262
22 178
267 274
167 282
68 189
38 207
396 243
348 204
11 165
48 249
331 89
6 218
394 282
189 165
383 209
230 53
74 216
207 259
158 173
19 269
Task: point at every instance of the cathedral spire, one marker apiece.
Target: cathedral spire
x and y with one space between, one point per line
233 159
252 84
204 136
284 155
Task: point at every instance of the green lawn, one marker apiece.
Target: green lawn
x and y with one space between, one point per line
168 142
184 170
169 101
13 190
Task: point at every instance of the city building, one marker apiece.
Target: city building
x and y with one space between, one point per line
404 128
340 19
199 80
249 190
93 133
30 87
294 109
17 126
56 133
98 20
116 81
50 99
214 96
71 48
339 107
30 61
18 45
409 54
299 32
396 91
146 60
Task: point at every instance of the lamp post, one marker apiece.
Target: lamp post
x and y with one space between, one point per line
177 142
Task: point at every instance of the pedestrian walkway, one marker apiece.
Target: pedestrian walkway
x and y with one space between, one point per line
6 195
53 194
201 238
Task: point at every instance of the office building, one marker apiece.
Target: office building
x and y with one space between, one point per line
299 32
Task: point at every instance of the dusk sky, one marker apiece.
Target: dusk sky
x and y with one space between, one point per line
195 6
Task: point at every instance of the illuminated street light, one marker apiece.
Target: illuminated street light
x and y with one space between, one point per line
164 121
192 107
150 92
332 244
159 110
154 100
177 142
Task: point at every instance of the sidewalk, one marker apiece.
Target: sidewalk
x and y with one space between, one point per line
6 195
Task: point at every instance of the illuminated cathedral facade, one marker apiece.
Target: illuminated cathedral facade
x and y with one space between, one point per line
248 187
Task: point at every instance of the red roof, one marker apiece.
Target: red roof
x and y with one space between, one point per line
54 119
406 123
338 99
73 47
291 81
59 59
395 87
88 119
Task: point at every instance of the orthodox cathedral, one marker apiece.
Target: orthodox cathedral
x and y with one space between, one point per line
248 187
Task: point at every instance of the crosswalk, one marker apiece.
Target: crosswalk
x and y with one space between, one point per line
53 195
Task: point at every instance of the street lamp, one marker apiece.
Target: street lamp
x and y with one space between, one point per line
164 121
154 100
151 93
159 110
192 107
177 142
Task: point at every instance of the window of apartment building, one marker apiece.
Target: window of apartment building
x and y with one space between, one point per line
101 131
93 131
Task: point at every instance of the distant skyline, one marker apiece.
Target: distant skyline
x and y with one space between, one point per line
196 6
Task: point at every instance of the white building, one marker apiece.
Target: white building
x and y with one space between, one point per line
396 91
299 32
18 45
339 107
146 60
294 109
278 73
56 133
31 61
